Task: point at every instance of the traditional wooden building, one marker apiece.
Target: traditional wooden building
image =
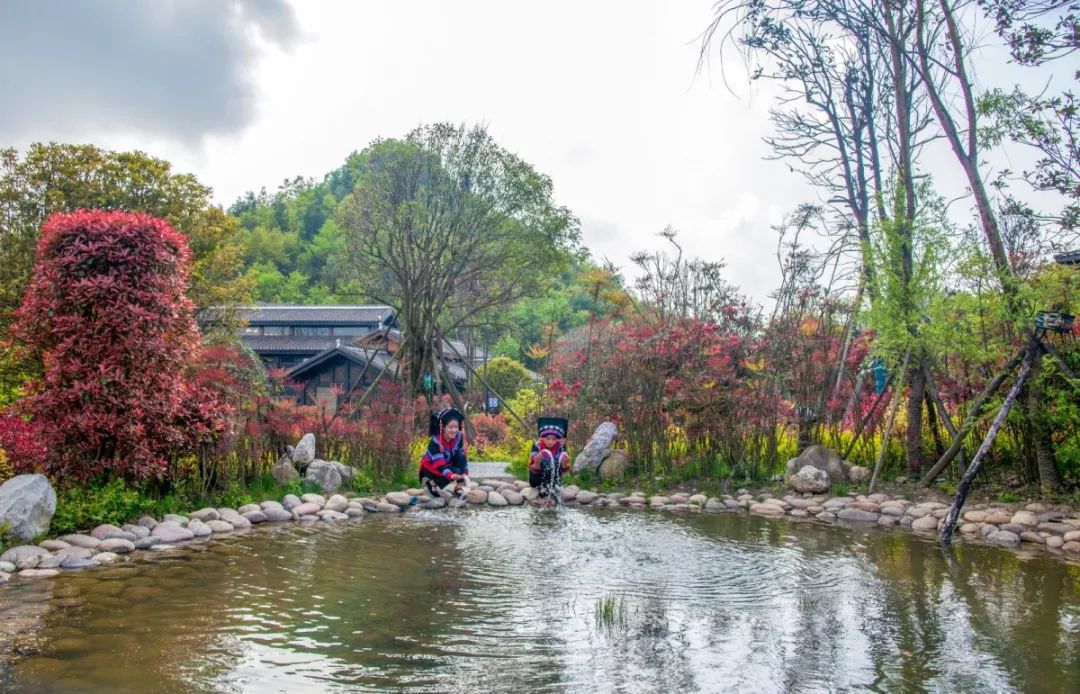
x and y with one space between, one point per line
331 354
285 336
342 373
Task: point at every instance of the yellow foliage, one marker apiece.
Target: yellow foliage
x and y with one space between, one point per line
808 327
6 471
417 447
526 403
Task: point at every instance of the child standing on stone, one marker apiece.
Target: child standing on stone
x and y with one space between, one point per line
549 459
444 461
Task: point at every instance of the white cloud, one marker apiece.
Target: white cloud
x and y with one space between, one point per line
601 96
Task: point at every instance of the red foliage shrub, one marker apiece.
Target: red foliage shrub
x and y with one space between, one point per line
22 441
107 315
651 374
491 430
376 436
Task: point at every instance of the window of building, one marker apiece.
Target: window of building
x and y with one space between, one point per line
351 330
326 398
275 330
253 330
309 330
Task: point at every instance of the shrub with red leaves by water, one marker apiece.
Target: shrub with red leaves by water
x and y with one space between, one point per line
22 443
106 313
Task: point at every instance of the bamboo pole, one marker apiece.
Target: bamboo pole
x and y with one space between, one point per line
866 419
943 414
976 462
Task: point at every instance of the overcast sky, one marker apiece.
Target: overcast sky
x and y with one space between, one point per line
602 96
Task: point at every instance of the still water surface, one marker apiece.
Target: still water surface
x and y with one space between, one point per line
528 600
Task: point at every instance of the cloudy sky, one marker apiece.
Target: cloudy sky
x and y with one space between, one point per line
603 96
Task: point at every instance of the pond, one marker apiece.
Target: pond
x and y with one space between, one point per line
530 600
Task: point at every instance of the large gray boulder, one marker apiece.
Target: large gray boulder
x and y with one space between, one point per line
810 479
598 448
347 473
27 505
614 466
304 453
283 470
821 458
324 474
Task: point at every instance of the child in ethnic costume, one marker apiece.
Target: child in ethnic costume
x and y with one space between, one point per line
549 458
444 461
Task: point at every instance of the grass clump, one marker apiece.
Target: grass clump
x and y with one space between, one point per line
610 612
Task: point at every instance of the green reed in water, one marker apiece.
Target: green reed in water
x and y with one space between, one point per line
610 612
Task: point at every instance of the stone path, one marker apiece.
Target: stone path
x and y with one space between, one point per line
489 471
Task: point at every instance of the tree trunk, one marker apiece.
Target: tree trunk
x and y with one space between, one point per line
1044 452
914 445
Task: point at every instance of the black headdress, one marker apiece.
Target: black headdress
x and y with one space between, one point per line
440 418
552 425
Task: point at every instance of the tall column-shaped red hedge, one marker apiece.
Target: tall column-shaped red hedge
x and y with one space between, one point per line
107 314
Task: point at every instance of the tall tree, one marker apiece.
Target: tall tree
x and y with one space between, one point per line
63 178
445 224
852 118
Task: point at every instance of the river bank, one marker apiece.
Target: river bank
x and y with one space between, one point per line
1029 527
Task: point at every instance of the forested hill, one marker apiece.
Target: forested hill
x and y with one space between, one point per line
295 252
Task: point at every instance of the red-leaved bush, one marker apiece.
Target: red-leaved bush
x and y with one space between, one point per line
491 430
106 313
22 442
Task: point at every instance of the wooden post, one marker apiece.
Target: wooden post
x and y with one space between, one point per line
943 414
976 462
379 375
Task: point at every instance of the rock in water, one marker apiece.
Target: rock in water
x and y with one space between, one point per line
27 505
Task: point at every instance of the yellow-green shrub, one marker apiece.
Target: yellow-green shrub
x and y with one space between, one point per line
6 471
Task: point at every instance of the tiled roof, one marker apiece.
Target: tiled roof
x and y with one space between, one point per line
459 348
287 343
290 314
1069 258
379 360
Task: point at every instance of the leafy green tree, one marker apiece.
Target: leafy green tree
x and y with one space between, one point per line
63 177
505 376
445 225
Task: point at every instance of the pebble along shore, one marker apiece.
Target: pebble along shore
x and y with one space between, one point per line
1035 526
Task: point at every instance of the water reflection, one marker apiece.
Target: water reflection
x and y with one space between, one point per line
508 600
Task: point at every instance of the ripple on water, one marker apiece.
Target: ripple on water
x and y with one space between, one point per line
573 600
